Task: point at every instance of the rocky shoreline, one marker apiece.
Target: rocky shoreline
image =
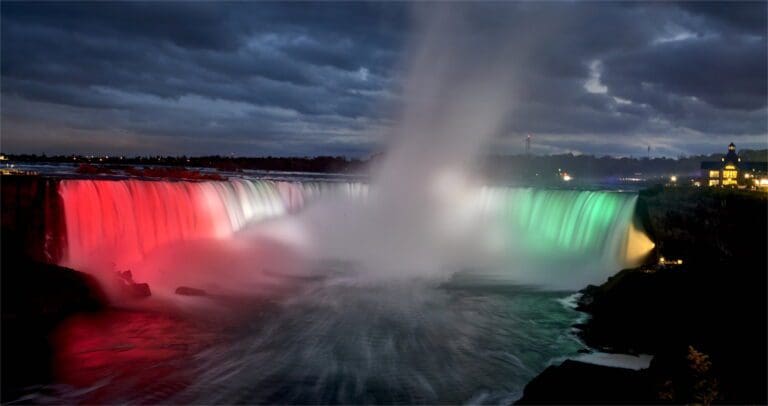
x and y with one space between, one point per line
704 320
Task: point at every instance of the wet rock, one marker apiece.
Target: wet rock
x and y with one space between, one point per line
131 289
139 290
187 291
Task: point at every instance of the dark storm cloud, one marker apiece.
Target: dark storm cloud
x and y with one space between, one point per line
724 72
749 18
317 78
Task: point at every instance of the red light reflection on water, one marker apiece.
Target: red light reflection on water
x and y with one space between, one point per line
128 356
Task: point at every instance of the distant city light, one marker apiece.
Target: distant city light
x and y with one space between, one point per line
567 177
673 178
665 261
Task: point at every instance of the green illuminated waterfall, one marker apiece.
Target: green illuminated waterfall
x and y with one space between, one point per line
565 220
567 237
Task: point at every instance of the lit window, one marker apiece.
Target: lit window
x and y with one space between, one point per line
729 174
714 174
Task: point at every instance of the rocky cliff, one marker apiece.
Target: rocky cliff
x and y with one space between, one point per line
703 320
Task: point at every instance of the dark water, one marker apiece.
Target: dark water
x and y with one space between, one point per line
333 340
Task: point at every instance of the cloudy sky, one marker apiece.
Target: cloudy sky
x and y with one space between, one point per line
292 79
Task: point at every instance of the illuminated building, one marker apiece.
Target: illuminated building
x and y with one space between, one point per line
730 171
670 262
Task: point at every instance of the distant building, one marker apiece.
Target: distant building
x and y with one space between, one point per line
731 172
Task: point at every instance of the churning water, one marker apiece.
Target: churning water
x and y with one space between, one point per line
333 339
402 342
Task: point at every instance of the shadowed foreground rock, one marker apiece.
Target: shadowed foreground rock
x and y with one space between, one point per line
36 297
578 382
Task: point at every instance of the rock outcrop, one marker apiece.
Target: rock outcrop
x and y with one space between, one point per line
575 382
36 297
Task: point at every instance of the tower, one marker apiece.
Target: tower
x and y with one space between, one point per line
528 145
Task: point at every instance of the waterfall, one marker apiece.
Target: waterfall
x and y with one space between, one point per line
564 221
119 222
126 219
567 238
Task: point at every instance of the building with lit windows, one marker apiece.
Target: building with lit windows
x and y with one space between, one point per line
730 171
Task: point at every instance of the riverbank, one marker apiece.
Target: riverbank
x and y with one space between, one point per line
704 320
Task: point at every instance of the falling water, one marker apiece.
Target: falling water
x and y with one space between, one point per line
121 221
566 238
114 224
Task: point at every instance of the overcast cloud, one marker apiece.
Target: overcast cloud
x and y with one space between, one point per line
325 78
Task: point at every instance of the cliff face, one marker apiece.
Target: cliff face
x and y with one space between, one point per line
715 303
32 218
705 321
708 226
36 294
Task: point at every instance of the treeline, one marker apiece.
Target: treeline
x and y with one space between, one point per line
496 167
323 164
589 166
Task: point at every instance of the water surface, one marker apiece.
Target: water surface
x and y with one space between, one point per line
336 339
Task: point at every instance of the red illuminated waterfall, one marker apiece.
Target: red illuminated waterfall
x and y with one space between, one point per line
120 221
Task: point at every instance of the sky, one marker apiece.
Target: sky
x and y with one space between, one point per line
305 79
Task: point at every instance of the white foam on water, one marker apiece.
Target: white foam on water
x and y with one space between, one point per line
627 361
